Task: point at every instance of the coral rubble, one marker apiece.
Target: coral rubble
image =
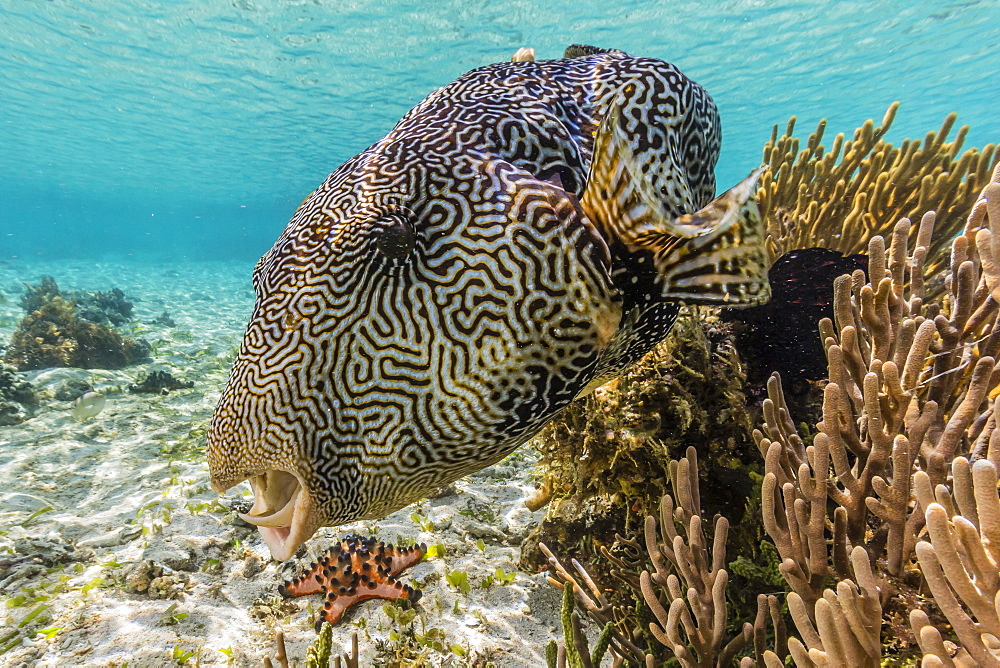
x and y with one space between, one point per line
17 397
159 382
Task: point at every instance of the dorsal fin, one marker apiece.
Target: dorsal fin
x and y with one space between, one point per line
577 50
712 256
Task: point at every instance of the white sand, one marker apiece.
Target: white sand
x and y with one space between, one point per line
117 498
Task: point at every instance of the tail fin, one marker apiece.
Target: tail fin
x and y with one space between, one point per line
713 256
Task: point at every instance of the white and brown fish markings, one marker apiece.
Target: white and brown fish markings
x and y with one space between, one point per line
520 236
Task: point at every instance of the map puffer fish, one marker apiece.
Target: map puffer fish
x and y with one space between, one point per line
521 236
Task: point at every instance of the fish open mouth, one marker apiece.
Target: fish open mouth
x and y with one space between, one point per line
282 511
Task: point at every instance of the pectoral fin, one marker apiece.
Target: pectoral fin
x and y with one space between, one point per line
712 256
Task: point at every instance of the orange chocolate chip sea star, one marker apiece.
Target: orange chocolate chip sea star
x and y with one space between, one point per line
356 570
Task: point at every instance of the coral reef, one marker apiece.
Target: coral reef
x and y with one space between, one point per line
911 398
103 308
320 653
887 493
280 652
55 334
17 397
37 296
355 570
159 382
813 199
100 308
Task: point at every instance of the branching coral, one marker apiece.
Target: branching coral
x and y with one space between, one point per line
689 577
685 590
861 187
960 560
912 385
847 621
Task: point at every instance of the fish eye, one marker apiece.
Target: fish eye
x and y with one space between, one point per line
394 236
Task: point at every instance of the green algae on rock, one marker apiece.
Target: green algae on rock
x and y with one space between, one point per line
56 334
605 459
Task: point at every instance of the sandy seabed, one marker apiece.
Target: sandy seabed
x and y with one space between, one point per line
85 505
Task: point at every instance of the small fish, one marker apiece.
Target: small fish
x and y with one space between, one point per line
88 404
522 235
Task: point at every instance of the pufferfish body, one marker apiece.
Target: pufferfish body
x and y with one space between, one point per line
521 236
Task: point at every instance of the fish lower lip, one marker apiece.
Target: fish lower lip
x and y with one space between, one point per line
276 540
282 511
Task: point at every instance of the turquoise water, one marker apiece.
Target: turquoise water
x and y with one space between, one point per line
187 130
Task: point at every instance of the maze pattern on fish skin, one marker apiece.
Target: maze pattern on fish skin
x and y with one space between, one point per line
381 376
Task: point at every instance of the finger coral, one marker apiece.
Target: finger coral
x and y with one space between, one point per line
685 588
911 393
960 560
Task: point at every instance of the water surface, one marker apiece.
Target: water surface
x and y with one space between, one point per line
193 129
